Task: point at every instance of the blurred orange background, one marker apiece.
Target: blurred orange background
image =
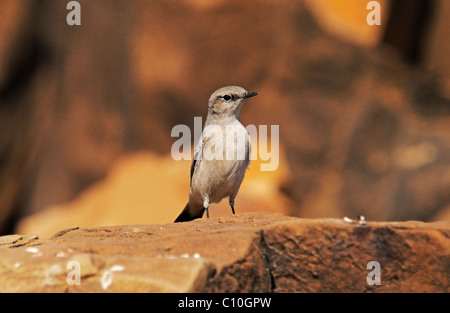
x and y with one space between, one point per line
86 111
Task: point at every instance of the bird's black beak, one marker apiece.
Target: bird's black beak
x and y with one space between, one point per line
250 94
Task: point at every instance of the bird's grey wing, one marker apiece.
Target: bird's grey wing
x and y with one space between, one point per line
197 156
195 160
193 167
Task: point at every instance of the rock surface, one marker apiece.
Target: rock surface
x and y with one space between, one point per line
252 252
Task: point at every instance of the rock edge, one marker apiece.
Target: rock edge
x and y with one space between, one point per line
252 252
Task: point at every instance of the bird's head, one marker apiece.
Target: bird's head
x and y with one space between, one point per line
228 101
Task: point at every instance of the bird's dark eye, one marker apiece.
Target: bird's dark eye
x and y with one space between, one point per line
227 97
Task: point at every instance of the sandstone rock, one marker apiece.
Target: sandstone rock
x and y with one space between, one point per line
252 252
342 18
9 239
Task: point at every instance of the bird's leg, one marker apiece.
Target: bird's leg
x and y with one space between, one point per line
206 206
232 205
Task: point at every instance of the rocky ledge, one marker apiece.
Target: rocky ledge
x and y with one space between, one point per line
254 252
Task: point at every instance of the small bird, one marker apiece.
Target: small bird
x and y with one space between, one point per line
222 154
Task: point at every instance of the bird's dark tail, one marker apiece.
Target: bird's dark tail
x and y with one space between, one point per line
189 214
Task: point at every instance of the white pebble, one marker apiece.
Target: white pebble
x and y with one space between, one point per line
32 250
61 254
117 268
